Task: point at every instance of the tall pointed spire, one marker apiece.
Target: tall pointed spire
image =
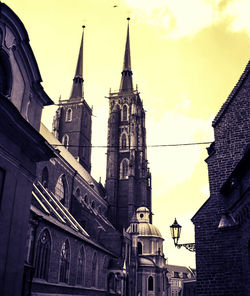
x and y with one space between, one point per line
77 88
126 81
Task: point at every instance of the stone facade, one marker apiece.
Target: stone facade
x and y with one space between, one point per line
21 146
222 238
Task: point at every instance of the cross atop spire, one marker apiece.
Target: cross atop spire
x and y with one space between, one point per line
77 88
126 81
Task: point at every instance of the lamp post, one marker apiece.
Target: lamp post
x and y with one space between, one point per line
175 230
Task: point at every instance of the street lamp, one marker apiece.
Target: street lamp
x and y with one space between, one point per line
175 230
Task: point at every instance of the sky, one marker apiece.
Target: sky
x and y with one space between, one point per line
186 55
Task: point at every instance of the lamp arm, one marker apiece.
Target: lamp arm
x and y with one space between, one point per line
190 246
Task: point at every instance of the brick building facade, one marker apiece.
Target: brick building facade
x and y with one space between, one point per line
222 224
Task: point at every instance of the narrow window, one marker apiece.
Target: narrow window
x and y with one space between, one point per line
139 248
42 255
94 269
64 263
150 284
68 115
65 141
80 267
125 113
124 141
45 177
124 169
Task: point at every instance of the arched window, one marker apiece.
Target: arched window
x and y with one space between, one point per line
125 113
94 270
124 141
124 169
111 282
80 267
139 248
65 141
5 71
64 263
150 284
61 189
45 177
42 255
68 116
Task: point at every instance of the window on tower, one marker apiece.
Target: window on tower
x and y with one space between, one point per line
125 113
65 141
124 169
68 116
123 141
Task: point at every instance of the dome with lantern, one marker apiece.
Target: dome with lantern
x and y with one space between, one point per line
144 227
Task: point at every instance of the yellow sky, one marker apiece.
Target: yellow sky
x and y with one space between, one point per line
186 57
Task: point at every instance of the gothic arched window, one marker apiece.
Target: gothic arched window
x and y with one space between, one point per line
139 248
80 267
94 270
124 169
64 263
65 141
42 255
68 116
124 141
61 189
150 284
125 113
45 177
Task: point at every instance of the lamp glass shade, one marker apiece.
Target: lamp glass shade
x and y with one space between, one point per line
175 229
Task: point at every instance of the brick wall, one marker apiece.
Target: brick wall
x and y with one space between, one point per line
220 252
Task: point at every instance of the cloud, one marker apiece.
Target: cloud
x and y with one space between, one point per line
186 18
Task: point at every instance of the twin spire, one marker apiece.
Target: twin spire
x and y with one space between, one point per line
126 80
77 88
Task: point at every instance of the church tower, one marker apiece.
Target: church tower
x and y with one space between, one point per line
128 179
72 122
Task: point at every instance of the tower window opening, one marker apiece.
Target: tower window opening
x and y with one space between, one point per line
125 113
124 141
65 141
124 169
150 284
68 115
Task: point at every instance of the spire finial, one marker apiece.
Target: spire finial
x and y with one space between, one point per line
126 82
77 88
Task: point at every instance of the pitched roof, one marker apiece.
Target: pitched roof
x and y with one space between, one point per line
232 94
49 204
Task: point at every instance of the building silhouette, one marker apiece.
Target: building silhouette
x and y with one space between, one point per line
222 224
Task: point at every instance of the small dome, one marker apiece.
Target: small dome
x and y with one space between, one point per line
147 229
